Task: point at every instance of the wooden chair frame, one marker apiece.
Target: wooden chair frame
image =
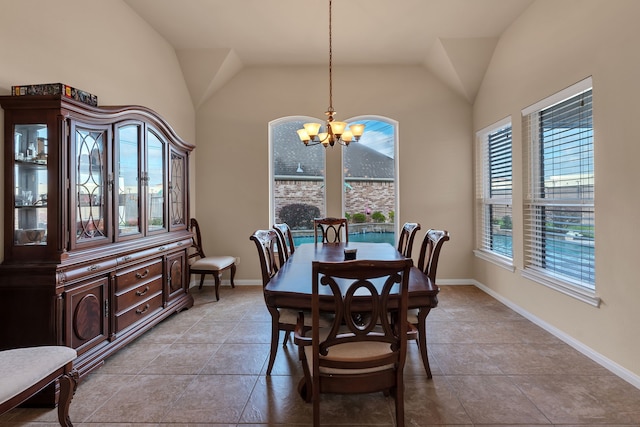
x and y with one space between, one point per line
269 250
199 253
379 326
286 239
330 230
66 377
428 264
407 235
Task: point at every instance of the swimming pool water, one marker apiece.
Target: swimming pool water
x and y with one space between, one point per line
360 237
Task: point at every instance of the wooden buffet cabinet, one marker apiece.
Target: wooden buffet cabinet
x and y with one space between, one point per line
95 225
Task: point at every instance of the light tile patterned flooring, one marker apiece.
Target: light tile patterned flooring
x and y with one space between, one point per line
206 366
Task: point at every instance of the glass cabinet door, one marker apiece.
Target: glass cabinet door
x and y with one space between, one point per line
90 184
127 183
31 183
177 190
155 180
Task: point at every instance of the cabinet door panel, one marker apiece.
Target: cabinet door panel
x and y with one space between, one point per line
90 184
176 279
127 182
31 184
177 191
87 324
156 194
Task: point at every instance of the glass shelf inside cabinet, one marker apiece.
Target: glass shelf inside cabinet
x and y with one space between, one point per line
31 183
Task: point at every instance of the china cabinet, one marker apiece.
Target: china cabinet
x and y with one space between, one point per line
95 225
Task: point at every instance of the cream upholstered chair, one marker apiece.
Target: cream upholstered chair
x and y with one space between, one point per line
201 264
407 235
428 264
365 348
330 230
26 371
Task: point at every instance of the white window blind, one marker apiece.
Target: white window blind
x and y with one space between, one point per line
494 190
559 194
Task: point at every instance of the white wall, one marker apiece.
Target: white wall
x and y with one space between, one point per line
434 149
551 46
98 46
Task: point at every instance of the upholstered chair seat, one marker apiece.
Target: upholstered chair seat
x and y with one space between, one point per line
213 263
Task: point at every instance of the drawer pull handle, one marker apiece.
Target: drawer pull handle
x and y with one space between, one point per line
93 267
127 257
142 275
144 310
143 292
180 243
161 248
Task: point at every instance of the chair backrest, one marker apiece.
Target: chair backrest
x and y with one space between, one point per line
407 234
196 240
330 230
267 244
430 252
366 334
286 238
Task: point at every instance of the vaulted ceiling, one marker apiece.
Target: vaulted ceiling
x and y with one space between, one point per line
214 39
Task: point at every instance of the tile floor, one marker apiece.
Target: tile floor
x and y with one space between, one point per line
206 366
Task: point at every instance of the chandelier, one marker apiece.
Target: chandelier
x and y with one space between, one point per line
338 132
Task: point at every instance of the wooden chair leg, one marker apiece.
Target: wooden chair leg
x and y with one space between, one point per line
287 336
216 276
399 397
422 339
68 386
233 274
201 281
275 334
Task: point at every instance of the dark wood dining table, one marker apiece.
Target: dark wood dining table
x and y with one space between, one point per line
291 286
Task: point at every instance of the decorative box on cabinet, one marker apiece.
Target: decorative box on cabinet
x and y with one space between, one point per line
95 225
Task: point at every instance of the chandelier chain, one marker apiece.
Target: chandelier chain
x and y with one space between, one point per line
336 131
330 62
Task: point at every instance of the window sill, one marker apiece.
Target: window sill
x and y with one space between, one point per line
563 287
496 259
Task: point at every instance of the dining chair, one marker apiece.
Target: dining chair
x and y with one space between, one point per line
428 265
286 239
330 230
407 235
364 349
282 319
201 264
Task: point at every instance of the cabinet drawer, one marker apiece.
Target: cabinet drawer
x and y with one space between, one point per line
139 312
137 275
137 294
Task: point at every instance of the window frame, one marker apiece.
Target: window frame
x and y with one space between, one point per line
396 165
485 200
538 199
294 139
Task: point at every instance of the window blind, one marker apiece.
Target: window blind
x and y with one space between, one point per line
494 190
559 201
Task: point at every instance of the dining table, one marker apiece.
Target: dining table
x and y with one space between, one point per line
290 287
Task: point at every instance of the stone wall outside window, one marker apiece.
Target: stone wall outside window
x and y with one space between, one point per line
375 195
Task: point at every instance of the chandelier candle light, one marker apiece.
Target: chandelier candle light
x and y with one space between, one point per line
336 131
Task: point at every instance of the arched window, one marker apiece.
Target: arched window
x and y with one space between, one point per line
297 177
370 176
